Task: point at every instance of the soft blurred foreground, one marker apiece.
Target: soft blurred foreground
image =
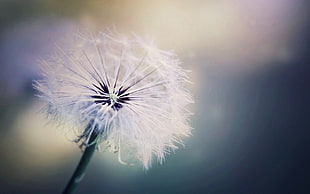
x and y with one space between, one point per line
249 66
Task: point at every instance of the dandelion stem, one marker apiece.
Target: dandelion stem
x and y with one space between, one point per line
82 166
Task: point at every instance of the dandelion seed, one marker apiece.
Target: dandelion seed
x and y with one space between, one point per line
129 93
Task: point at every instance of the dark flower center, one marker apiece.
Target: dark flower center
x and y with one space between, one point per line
115 99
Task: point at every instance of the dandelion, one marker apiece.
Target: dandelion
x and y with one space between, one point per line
120 92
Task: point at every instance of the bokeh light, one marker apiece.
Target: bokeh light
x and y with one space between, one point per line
248 61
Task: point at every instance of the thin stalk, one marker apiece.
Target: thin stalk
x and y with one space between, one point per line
82 166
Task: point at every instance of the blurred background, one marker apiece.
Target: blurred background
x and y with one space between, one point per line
249 64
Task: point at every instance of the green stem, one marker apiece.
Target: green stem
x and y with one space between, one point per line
81 168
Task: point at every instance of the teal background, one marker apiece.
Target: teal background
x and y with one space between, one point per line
249 63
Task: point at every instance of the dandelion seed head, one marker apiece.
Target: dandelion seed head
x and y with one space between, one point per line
125 89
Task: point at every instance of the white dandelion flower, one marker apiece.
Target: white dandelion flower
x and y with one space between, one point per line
124 89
